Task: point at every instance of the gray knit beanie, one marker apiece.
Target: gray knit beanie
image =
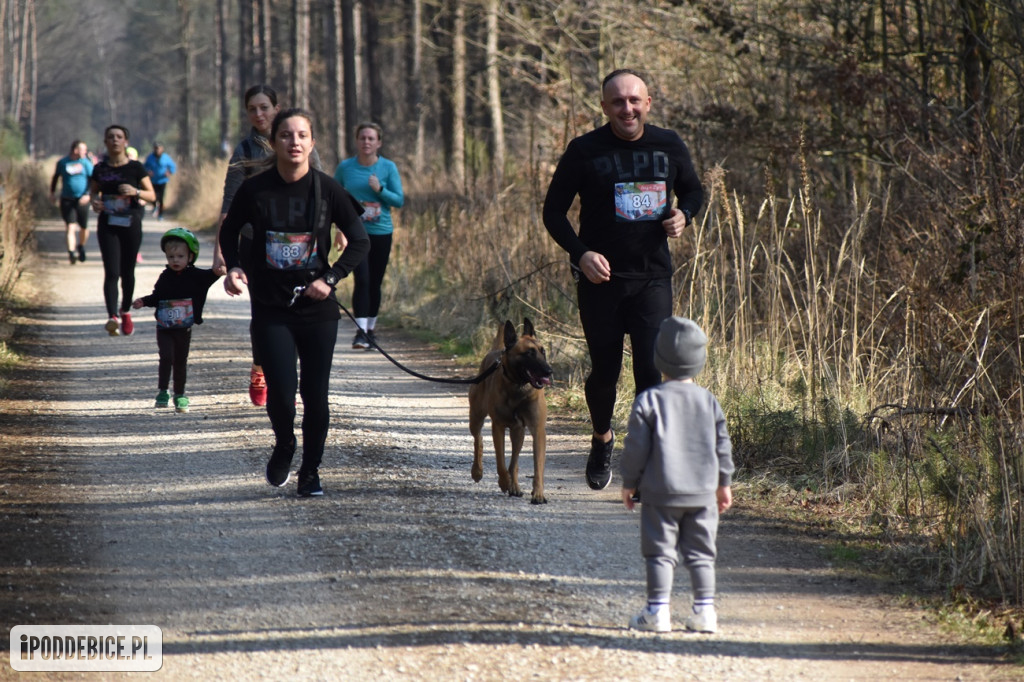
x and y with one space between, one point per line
680 349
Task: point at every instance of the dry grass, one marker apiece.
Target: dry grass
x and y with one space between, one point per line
22 194
194 195
843 365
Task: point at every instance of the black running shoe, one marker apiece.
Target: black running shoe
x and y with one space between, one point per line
599 463
371 340
279 464
81 253
72 258
360 341
309 484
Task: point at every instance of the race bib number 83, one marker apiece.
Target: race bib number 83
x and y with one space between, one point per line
640 200
290 250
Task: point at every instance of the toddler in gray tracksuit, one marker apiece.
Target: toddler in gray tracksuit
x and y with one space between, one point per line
679 457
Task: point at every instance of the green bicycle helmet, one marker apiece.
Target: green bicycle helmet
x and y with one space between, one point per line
184 235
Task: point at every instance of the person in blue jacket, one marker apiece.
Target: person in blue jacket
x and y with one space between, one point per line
374 182
160 167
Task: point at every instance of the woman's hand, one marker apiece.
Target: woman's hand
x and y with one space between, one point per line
219 267
233 283
340 240
318 290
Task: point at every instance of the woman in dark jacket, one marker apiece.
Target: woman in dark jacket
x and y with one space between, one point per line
275 240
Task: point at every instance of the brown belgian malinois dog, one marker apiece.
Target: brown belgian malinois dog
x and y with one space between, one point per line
513 397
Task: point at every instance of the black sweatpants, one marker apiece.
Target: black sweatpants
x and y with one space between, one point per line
311 344
608 312
173 346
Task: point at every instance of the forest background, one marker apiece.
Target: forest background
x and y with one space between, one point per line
858 265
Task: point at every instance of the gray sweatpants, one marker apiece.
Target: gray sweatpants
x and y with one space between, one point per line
667 532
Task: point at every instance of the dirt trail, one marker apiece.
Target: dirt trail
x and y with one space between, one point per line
114 512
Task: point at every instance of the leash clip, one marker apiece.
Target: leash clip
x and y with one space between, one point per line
296 292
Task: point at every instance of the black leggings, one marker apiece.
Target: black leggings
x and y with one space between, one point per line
158 205
281 344
369 276
173 346
608 312
119 247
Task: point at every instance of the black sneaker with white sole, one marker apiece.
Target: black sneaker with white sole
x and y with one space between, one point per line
599 463
279 464
309 484
360 341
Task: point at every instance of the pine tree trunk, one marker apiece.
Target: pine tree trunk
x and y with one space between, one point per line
458 160
494 93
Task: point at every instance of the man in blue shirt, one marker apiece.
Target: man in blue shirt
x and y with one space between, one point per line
160 167
73 172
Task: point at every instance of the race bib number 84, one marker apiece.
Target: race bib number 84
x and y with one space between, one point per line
640 200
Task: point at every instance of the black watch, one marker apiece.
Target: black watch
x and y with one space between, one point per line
330 278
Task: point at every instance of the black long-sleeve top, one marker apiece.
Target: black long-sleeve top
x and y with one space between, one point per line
626 190
274 220
191 283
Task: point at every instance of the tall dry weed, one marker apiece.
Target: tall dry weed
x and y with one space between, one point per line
840 350
194 196
22 193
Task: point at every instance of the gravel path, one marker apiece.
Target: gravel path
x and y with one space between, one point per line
114 512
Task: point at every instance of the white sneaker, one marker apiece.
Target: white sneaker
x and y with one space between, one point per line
705 620
658 621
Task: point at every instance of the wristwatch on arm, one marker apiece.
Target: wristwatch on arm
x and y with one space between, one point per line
330 278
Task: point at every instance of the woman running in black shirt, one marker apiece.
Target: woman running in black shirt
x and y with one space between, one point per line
284 216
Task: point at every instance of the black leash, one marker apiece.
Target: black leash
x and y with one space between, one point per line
297 291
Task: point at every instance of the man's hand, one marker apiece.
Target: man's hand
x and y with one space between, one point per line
595 267
675 223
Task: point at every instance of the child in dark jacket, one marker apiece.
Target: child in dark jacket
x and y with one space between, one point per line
179 296
679 455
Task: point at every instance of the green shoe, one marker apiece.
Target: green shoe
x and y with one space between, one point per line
163 399
180 403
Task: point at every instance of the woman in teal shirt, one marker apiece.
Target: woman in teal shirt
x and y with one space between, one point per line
375 183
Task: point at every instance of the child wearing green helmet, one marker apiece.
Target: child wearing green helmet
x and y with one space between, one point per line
179 296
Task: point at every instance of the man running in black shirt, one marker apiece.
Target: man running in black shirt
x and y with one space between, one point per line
625 173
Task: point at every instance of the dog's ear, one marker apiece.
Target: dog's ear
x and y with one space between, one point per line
510 334
528 327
